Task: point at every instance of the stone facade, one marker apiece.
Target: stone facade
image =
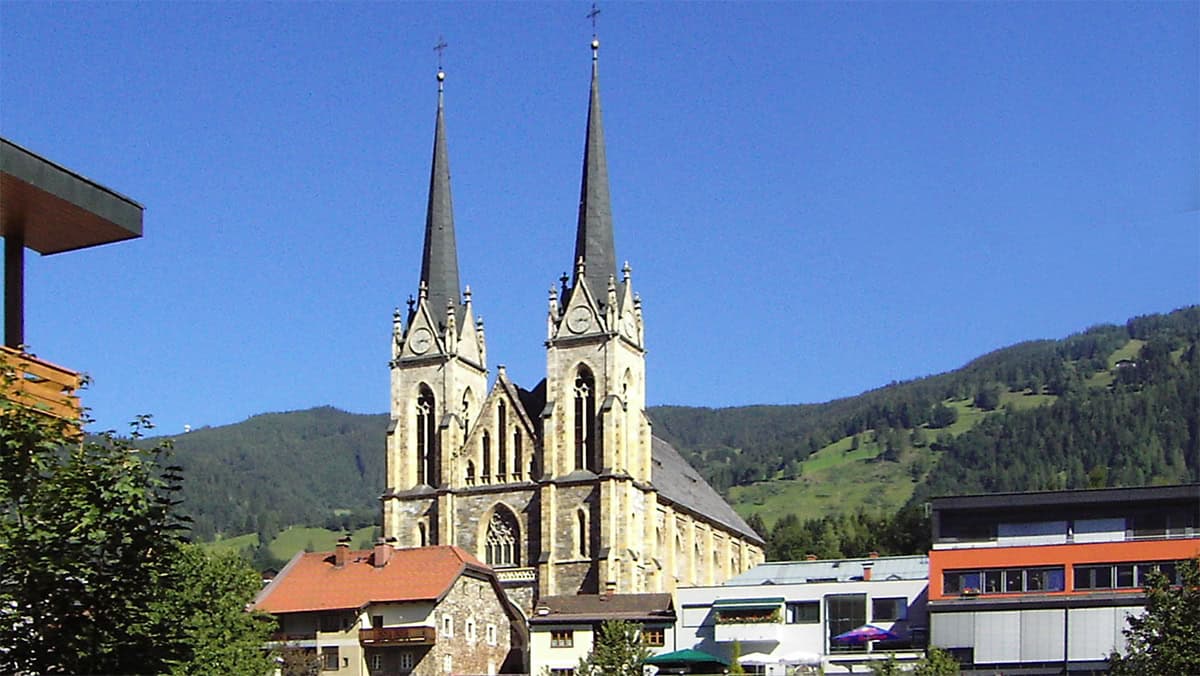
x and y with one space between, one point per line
561 488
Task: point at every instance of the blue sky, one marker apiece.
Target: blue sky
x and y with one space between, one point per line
816 198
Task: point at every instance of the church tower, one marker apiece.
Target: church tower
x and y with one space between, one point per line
438 374
562 489
596 438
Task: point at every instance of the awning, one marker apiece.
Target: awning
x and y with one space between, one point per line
769 602
688 657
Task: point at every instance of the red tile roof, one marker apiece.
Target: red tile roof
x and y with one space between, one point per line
311 582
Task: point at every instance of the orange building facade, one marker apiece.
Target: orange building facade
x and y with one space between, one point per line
1043 582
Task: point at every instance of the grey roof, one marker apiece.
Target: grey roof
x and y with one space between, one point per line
597 607
839 570
439 261
594 235
678 482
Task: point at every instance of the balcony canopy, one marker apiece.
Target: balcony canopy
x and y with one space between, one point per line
56 209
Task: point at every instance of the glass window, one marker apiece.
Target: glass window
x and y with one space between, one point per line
804 612
993 581
1014 581
888 610
562 638
407 661
1124 575
329 658
844 612
653 636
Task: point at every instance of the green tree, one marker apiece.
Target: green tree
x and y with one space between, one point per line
618 651
1164 640
210 593
735 664
888 667
94 574
937 662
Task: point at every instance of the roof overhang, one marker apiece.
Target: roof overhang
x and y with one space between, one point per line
58 210
771 602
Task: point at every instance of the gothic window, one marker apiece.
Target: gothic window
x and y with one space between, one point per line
502 439
470 473
422 535
466 409
502 538
486 470
585 420
699 561
517 455
581 534
426 439
679 556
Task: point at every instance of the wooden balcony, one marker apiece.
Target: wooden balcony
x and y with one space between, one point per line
39 385
397 636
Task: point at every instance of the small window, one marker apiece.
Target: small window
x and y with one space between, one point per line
447 664
470 630
562 639
407 661
654 637
377 621
491 634
888 610
329 658
804 612
376 662
447 626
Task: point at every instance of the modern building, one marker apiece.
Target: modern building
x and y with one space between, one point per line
789 613
1042 582
433 610
563 488
562 629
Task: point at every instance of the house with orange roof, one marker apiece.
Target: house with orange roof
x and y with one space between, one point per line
420 611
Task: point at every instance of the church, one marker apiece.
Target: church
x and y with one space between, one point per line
563 488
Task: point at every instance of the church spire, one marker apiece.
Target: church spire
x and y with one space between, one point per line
594 235
439 261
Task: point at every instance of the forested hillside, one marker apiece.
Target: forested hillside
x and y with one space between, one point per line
1111 406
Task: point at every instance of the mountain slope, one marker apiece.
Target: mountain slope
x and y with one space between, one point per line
1113 405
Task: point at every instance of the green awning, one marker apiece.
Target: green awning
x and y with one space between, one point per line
688 657
772 602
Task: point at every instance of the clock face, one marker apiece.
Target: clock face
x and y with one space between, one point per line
579 319
421 340
629 326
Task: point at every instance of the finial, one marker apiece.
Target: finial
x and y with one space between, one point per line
625 271
579 267
411 302
396 312
467 294
423 290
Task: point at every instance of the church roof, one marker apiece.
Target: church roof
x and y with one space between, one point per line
311 581
679 482
598 607
594 235
439 260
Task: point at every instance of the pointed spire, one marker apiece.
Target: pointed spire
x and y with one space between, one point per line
439 262
594 235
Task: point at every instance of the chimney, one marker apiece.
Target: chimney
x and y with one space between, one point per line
867 566
342 552
874 555
383 553
810 557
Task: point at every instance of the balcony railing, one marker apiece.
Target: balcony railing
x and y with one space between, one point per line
746 633
39 385
397 636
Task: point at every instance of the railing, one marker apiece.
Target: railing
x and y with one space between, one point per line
287 637
516 574
397 636
39 385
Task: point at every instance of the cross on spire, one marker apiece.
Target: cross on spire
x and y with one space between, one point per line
592 15
439 48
